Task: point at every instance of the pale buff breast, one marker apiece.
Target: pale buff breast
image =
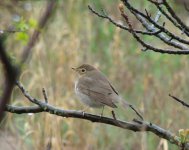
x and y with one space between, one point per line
86 99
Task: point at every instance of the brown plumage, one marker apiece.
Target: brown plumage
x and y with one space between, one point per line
94 89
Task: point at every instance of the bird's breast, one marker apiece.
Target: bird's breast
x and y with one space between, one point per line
85 98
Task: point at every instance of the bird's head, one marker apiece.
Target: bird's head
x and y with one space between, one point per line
84 69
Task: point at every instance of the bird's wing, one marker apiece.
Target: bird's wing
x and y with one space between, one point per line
98 90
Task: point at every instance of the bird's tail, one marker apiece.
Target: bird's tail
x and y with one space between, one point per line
125 104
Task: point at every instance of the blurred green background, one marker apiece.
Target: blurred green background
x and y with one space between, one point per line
75 36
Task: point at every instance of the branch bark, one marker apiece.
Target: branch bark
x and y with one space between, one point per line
177 44
135 125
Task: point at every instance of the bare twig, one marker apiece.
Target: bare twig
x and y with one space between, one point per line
179 100
160 35
169 18
162 28
45 95
104 16
132 107
173 14
148 46
154 30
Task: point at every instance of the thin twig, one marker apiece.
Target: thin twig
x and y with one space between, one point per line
160 35
148 46
120 25
162 28
173 14
45 95
185 50
169 18
179 100
132 107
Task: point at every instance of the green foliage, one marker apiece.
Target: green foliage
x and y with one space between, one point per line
23 26
22 37
184 135
32 23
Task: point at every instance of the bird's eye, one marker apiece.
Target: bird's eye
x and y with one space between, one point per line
83 70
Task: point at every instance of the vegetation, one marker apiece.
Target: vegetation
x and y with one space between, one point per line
75 36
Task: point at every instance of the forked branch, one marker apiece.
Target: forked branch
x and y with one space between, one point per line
135 125
178 44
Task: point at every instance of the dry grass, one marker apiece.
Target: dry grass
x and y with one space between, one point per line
75 36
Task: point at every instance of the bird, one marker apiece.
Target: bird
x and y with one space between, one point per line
94 89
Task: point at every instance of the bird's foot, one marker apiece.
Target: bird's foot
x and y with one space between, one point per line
101 115
83 112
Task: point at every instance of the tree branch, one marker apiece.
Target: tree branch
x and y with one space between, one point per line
157 4
179 100
173 14
162 28
23 109
135 125
105 16
12 72
179 45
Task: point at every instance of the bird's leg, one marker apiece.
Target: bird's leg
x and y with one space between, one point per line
113 115
101 115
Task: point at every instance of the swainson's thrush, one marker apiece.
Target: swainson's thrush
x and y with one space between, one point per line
93 89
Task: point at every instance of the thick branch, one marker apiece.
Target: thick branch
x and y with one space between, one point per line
10 74
135 125
23 109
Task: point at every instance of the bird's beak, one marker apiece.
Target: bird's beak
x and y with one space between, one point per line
74 69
